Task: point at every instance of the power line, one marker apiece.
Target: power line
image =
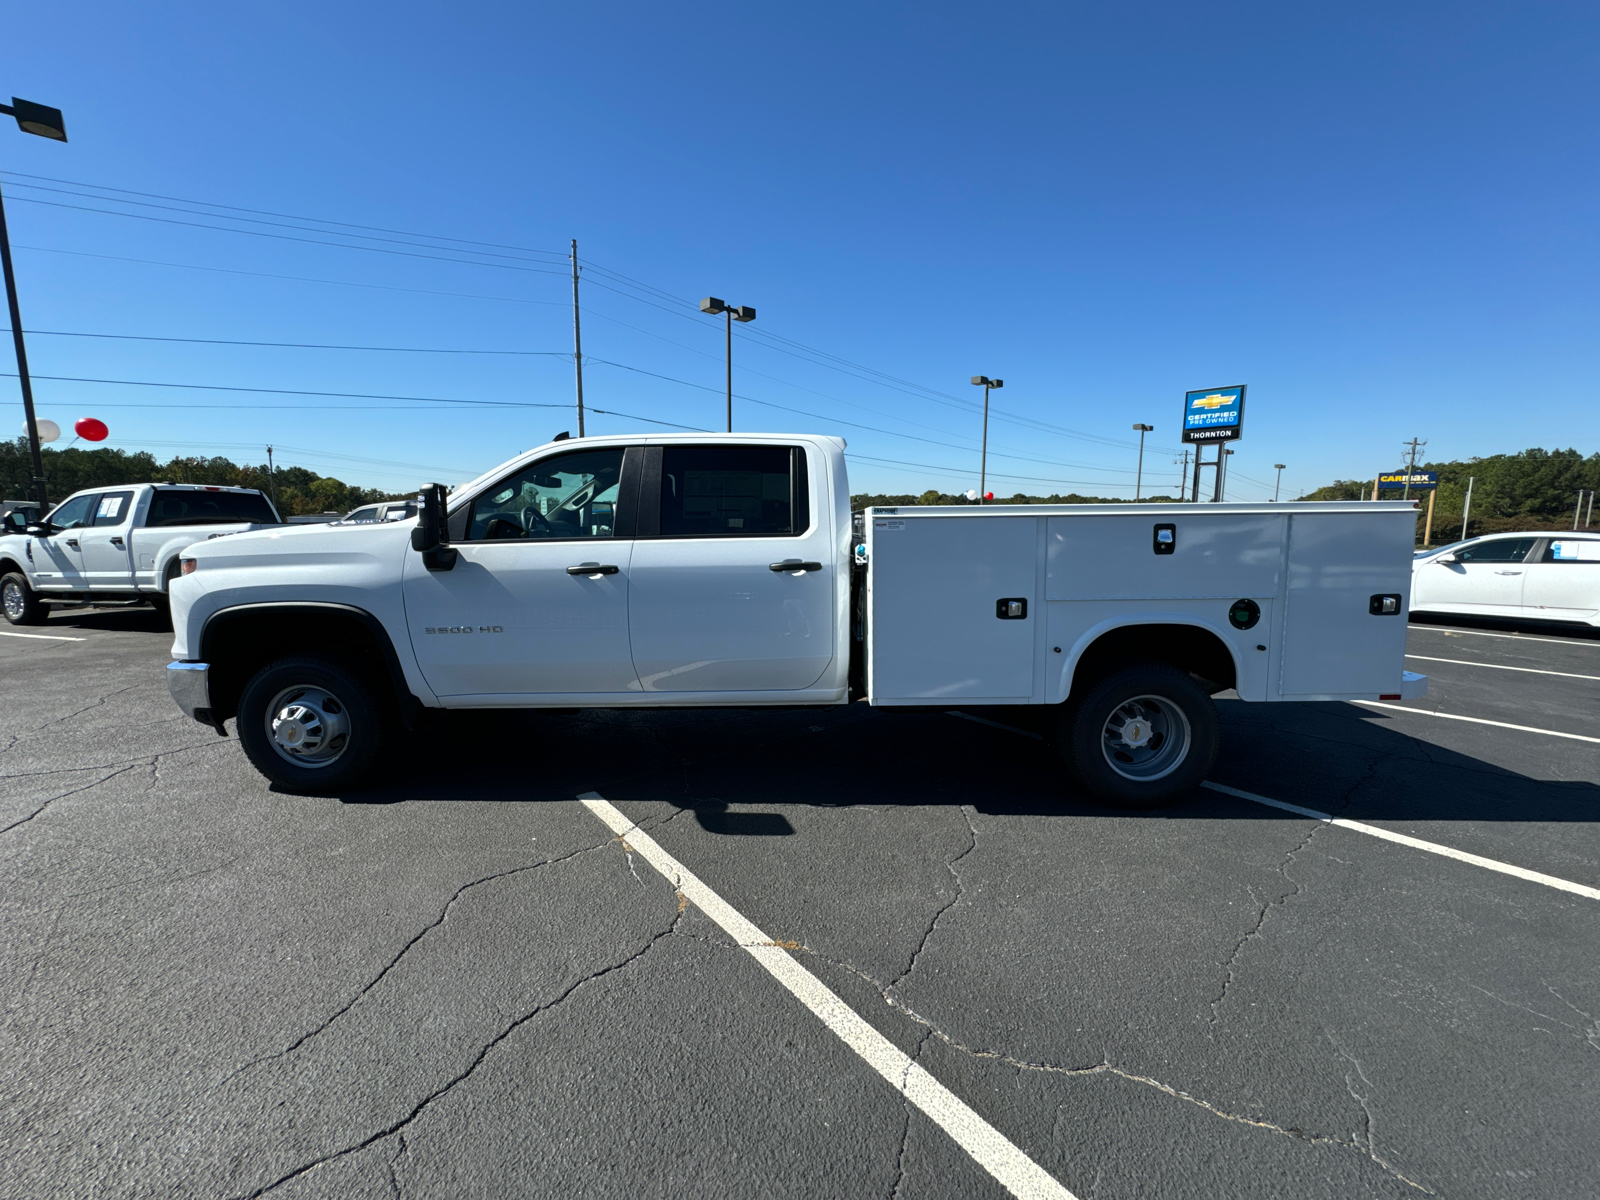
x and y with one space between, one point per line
287 216
284 237
381 287
135 337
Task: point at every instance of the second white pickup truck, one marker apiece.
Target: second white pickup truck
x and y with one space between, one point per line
727 570
115 543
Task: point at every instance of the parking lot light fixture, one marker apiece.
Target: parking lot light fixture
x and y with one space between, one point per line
1138 478
42 121
988 385
1278 482
732 313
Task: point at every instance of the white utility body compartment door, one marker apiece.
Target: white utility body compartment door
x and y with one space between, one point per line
1333 643
939 623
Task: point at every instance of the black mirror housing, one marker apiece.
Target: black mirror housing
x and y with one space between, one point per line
432 535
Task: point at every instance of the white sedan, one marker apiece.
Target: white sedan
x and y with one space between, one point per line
1514 576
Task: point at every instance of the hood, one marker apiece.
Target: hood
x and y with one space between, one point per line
300 544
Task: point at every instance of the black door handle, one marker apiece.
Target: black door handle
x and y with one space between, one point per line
593 569
73 542
794 564
116 541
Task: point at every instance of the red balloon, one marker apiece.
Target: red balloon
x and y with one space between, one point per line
90 429
988 495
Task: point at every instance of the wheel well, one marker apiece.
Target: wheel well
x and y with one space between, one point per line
1188 647
239 642
7 566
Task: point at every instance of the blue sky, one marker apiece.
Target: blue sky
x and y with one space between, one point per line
1381 218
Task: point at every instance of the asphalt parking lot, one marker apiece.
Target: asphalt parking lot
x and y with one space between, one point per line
464 983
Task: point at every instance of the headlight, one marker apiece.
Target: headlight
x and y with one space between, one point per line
189 565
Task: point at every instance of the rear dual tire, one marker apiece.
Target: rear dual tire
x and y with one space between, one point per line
313 726
1140 738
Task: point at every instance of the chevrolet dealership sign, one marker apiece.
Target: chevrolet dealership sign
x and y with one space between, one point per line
1213 414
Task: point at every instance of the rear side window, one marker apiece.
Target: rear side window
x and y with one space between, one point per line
1497 550
183 506
733 491
113 508
1571 550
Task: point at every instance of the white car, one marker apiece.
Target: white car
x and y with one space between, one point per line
1513 576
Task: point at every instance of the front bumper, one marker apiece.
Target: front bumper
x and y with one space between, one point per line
190 685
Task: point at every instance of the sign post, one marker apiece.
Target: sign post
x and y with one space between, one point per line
1212 415
1413 481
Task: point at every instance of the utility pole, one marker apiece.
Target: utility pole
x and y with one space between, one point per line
1578 512
577 335
1411 470
272 479
1466 507
1138 478
1590 512
1223 455
1183 475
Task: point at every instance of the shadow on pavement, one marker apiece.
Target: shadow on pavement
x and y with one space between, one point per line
732 768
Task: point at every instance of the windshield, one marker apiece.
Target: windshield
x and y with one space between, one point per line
186 506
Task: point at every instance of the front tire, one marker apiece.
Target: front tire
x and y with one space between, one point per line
312 726
18 601
1142 737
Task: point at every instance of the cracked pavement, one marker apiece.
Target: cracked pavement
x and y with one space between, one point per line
459 983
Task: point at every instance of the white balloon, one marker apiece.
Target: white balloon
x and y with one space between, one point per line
972 493
49 431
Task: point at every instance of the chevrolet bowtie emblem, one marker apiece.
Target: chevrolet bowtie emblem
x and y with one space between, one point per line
1215 400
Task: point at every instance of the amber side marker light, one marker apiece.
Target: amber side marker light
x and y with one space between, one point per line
189 565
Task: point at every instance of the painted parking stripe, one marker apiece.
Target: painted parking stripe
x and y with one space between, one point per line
989 1148
43 637
1462 662
1515 637
1489 864
1422 712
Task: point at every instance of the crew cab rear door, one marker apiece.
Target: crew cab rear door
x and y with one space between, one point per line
519 615
107 557
733 569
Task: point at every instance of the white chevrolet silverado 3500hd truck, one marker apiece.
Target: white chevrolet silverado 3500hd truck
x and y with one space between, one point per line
727 570
115 543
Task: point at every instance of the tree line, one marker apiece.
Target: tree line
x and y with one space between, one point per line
296 490
1532 489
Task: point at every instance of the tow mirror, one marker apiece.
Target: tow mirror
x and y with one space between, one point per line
432 534
39 530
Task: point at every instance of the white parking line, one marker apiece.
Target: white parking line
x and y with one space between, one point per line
1515 637
43 637
1461 662
989 1148
1565 885
1422 712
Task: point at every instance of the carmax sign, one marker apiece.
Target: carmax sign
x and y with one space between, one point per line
1213 414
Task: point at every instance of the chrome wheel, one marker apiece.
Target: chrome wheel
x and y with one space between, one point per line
1146 738
15 602
308 726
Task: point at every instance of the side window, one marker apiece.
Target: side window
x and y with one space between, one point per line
569 496
1571 550
75 512
113 508
733 491
1497 550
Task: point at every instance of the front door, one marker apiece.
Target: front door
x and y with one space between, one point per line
733 572
58 558
107 562
1486 579
1563 583
513 619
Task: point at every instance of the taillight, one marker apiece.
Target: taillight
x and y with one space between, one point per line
189 565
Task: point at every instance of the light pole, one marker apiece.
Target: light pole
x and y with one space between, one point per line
43 122
741 312
988 385
1138 478
1278 482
